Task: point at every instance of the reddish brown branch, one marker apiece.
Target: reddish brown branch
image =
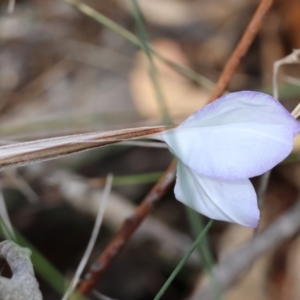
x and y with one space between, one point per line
129 226
241 49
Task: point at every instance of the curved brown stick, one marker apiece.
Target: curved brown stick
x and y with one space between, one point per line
129 226
241 49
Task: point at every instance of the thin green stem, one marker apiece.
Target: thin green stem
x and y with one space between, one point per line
100 18
153 74
196 223
183 260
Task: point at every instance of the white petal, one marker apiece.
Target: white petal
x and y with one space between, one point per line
243 107
231 201
231 152
235 139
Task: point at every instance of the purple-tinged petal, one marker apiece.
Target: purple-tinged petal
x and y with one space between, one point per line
235 137
243 107
231 152
231 201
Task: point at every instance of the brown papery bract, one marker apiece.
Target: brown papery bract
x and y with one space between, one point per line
24 153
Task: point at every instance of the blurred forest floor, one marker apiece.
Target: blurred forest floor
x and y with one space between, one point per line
62 73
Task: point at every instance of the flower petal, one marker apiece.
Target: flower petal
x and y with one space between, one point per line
243 107
231 201
240 135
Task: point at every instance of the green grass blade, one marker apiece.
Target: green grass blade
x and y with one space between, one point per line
153 74
196 223
101 19
183 261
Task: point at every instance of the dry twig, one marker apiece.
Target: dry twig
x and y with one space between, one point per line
228 271
292 58
83 196
241 49
127 229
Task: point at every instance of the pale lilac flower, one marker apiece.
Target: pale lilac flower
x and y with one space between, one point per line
220 146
